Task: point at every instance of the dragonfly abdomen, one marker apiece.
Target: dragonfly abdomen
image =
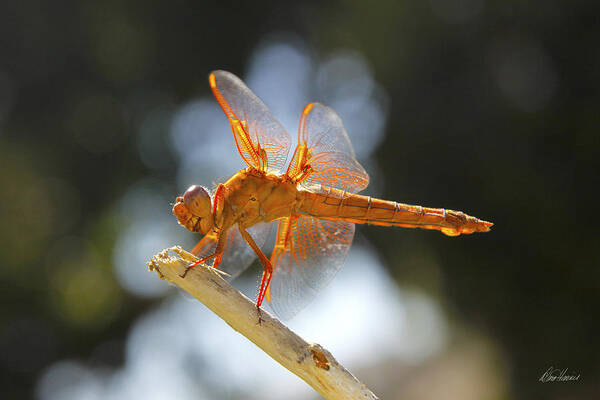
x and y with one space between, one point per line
331 203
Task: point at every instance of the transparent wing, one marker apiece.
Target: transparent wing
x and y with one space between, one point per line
308 253
261 140
324 146
237 255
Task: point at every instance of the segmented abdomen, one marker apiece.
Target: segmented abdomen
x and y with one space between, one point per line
330 203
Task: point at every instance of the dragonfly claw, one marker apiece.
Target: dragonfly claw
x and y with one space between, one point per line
190 267
185 272
259 322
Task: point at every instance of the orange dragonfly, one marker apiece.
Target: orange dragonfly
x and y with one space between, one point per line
313 201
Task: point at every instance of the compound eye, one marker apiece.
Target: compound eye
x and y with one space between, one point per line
197 200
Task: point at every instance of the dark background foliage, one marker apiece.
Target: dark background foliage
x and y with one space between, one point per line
493 109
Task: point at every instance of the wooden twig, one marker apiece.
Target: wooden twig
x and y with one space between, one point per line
311 362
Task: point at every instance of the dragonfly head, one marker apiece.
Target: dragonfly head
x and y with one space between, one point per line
194 210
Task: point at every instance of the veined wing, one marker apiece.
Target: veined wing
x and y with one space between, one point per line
237 255
308 253
261 140
324 154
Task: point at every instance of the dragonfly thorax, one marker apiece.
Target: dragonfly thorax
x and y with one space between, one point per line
259 197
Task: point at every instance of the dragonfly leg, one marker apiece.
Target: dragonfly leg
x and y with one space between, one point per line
260 320
217 255
264 286
267 266
200 261
218 204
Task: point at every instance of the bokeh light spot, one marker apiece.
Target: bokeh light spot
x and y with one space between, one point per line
85 294
523 71
97 122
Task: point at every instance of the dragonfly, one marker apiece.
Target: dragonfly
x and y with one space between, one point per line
313 201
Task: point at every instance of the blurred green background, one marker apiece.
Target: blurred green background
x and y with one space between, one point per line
492 108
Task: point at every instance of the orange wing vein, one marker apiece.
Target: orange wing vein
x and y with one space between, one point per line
308 253
261 140
324 154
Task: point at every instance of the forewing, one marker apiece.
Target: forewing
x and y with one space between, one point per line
308 253
237 255
262 141
327 149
